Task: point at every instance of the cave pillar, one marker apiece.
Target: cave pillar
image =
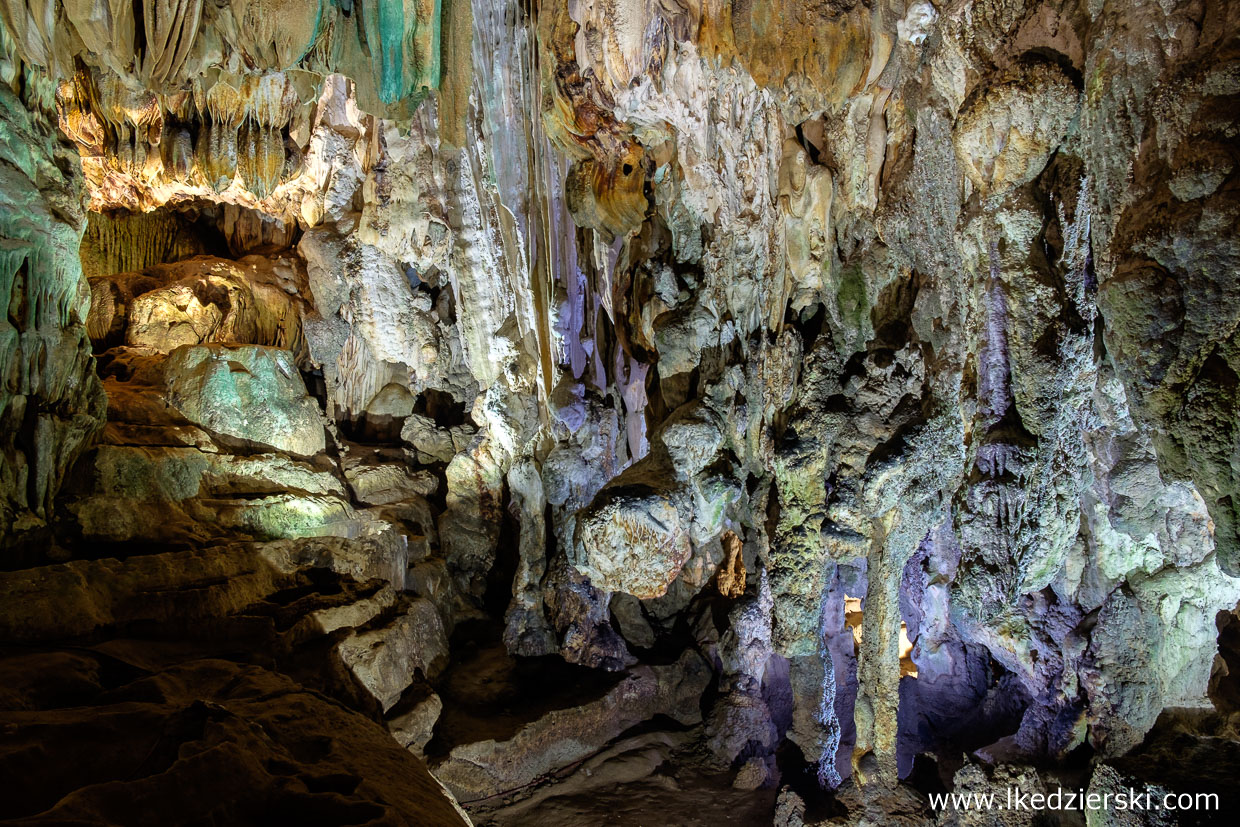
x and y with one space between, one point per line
878 665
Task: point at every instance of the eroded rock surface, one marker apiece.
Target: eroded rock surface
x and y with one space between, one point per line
839 399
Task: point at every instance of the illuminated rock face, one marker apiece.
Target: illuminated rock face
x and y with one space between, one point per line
633 543
164 98
51 405
246 392
198 301
870 363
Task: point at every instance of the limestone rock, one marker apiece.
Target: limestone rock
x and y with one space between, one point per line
629 617
486 768
731 577
526 629
80 598
870 365
381 554
51 403
384 659
752 775
692 436
388 483
428 442
1004 136
155 634
412 721
252 758
195 302
176 493
251 394
740 723
973 778
631 540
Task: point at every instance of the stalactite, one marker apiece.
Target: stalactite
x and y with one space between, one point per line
125 242
51 404
994 377
170 27
278 33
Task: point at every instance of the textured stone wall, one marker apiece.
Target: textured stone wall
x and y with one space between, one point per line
780 332
51 404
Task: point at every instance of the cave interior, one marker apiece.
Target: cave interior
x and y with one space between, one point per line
683 412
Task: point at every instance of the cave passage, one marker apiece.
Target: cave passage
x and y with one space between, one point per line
514 413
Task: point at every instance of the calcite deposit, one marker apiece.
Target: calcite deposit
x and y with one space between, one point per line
617 411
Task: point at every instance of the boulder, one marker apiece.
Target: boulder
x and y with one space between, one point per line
412 721
631 539
250 393
427 441
1004 136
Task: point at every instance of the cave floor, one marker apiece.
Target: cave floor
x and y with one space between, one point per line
680 795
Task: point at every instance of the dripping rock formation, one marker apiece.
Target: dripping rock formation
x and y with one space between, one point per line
680 412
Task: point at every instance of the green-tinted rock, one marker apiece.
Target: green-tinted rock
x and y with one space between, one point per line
249 393
51 403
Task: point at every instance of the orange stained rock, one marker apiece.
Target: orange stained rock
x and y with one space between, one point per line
576 114
831 44
609 194
731 579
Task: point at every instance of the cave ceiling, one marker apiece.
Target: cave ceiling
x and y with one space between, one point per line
425 410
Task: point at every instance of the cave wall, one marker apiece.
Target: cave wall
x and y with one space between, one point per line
51 403
760 321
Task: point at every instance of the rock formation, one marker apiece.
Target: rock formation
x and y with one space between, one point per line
661 410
